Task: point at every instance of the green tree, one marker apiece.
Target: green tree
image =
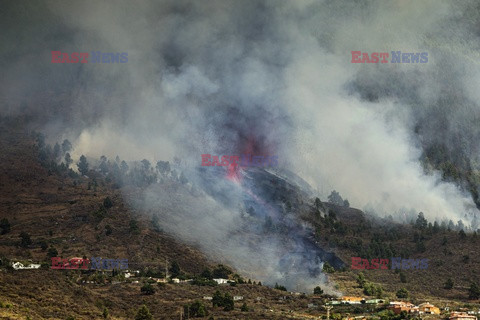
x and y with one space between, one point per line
4 226
421 222
108 230
318 204
462 234
52 252
448 284
217 299
83 165
361 279
143 314
335 198
148 289
105 313
402 293
68 159
134 226
328 268
228 303
317 290
221 271
436 227
244 307
66 146
123 167
25 240
156 223
175 269
196 309
183 179
163 167
279 287
107 203
57 152
43 245
207 274
474 291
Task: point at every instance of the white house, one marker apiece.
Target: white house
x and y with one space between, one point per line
20 266
221 281
236 298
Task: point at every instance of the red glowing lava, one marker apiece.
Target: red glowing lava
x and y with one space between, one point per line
233 173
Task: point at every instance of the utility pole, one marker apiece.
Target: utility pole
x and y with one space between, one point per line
328 311
166 269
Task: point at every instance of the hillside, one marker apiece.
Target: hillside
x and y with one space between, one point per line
66 212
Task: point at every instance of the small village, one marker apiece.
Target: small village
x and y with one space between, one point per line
333 307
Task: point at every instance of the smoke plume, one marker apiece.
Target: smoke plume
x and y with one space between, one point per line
265 77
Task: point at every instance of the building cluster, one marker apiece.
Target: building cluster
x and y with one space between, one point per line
424 308
401 306
355 300
462 316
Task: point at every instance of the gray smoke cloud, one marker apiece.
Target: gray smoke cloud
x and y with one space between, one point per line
269 77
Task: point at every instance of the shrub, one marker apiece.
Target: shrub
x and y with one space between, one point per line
148 289
196 309
4 226
402 293
107 203
474 291
105 313
317 290
278 287
228 303
134 227
328 268
143 314
52 252
225 301
25 240
448 284
43 245
108 230
221 271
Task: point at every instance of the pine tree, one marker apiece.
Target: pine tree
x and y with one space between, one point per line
448 284
143 314
4 226
317 290
83 165
474 291
105 313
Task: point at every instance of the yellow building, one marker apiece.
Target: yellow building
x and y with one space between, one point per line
461 316
428 308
